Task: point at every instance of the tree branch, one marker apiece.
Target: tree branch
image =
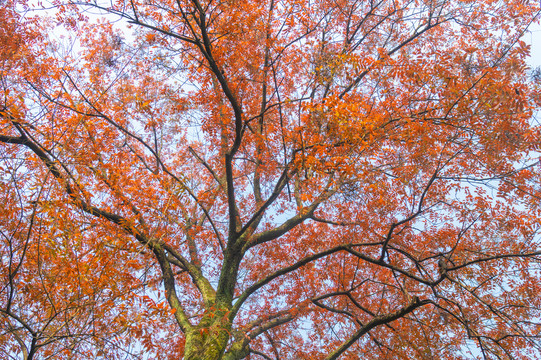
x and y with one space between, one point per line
378 320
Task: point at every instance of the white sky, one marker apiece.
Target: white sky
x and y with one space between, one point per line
534 39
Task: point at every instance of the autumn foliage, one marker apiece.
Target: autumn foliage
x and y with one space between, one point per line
270 179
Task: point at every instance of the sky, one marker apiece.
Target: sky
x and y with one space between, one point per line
534 39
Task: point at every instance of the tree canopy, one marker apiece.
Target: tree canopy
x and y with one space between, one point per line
269 179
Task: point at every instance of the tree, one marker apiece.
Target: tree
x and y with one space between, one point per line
269 180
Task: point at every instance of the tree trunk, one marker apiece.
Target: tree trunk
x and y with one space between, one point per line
208 340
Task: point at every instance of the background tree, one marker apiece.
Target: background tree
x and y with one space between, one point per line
279 179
